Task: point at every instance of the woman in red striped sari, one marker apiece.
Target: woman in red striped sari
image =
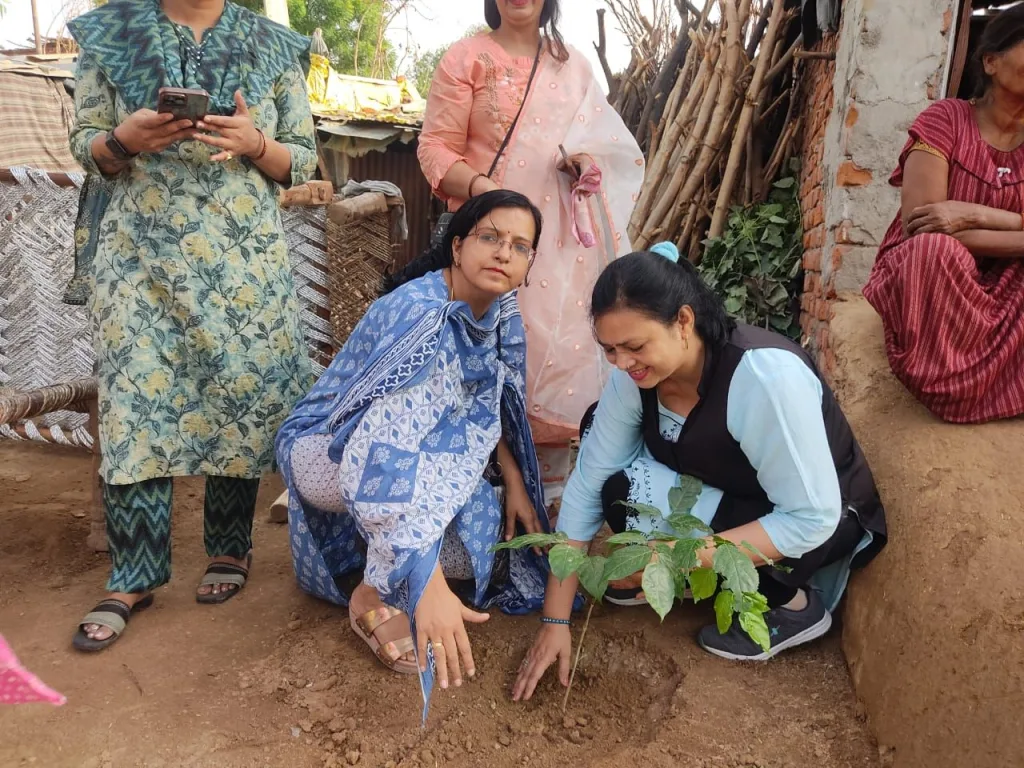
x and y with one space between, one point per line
949 277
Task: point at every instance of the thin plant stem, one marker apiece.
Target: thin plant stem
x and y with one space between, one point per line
579 652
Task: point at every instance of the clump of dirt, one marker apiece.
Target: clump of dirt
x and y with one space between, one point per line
274 677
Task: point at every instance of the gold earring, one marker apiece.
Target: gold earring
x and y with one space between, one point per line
686 342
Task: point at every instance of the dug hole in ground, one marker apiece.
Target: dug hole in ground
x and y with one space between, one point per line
275 678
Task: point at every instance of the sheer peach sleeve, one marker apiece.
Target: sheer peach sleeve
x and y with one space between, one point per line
446 123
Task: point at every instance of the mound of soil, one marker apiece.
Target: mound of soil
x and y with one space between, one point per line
935 625
275 678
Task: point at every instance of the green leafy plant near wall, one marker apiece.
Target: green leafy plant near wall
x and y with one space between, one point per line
670 565
754 266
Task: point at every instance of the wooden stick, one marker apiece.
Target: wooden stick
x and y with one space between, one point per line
744 125
579 653
663 84
58 178
711 141
822 55
784 61
658 208
601 46
764 115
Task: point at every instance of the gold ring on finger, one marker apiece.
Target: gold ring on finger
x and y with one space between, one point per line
437 644
230 156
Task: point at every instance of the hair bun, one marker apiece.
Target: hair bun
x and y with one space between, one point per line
668 250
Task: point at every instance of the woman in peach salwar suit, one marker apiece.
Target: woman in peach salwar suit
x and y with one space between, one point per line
478 89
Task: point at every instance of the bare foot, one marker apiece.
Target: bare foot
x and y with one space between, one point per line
97 632
216 589
365 598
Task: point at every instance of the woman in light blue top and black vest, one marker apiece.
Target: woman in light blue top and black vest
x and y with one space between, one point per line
740 408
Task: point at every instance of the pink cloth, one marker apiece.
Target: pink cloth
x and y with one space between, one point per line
588 185
18 685
475 94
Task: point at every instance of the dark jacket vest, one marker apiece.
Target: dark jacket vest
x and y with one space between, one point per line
706 450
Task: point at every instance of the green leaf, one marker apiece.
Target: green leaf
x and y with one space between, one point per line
752 602
735 568
659 587
778 296
785 183
733 305
756 552
723 610
628 537
754 625
679 579
565 560
687 523
684 494
591 573
684 553
627 561
662 549
643 509
662 536
703 582
778 219
531 540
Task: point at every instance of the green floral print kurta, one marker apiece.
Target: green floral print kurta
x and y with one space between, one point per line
195 317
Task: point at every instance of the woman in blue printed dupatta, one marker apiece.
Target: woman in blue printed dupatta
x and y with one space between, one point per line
390 458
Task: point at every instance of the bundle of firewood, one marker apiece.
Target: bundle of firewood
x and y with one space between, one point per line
717 120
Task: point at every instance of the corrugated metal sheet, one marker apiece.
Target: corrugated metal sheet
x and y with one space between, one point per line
400 166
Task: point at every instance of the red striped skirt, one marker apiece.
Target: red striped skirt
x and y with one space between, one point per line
954 332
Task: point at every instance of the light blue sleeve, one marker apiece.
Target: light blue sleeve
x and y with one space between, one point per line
774 412
613 444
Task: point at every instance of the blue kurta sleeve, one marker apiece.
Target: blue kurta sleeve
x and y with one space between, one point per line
613 444
774 412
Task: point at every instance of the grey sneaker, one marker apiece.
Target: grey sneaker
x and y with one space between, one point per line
787 629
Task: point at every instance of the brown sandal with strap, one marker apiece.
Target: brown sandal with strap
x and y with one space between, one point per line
390 653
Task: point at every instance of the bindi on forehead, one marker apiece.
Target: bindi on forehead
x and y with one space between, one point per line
490 228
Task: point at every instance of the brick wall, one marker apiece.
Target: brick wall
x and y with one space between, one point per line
887 64
819 291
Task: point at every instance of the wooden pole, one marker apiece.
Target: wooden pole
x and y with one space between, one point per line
35 27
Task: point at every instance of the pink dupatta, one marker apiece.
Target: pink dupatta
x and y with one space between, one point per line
565 368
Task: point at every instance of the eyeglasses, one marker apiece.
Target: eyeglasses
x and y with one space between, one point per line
492 241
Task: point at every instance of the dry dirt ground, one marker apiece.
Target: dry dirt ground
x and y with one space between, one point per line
275 678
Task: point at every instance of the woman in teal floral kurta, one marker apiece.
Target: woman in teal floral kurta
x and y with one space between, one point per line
195 318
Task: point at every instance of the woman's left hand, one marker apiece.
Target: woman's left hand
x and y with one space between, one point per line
577 165
237 136
518 507
947 218
441 621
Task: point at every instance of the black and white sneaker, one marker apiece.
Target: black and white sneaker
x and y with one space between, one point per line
787 629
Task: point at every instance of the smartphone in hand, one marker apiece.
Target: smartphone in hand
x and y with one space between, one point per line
184 103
